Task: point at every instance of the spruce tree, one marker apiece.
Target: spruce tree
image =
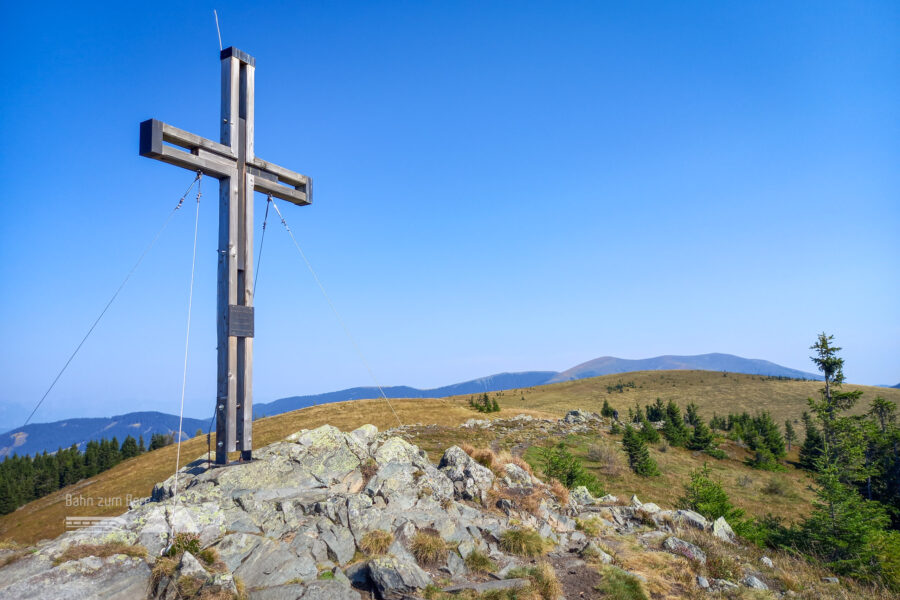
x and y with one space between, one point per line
648 432
693 415
847 531
673 428
702 438
129 448
790 436
638 456
607 410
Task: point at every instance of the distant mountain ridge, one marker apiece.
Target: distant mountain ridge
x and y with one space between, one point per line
37 437
491 383
50 436
609 365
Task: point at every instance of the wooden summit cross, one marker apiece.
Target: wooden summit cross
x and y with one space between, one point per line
240 173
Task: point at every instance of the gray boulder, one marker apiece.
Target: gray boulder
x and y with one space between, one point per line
689 517
580 496
395 578
120 577
754 582
471 480
722 530
686 549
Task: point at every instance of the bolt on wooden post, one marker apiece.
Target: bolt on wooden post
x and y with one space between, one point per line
240 172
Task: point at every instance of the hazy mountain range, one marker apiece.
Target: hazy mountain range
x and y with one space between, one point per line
37 437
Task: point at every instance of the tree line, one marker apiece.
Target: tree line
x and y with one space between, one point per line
27 478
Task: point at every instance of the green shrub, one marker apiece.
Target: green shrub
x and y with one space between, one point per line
184 542
717 453
558 463
638 456
707 497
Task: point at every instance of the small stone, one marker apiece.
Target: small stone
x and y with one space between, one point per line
767 562
702 582
635 503
830 580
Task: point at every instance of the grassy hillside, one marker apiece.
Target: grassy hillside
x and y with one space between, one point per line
107 494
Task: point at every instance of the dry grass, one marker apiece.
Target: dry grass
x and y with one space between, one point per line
523 542
376 542
559 491
711 391
45 517
608 458
478 562
79 551
164 567
592 527
188 586
428 547
544 583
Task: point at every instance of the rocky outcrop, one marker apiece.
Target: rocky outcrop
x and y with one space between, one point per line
298 521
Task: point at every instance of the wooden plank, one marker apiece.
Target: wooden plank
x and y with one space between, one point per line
185 139
286 175
281 191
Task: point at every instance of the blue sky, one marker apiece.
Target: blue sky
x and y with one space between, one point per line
500 186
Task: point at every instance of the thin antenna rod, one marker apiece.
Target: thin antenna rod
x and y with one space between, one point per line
217 29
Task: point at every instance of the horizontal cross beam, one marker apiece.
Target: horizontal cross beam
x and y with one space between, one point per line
184 149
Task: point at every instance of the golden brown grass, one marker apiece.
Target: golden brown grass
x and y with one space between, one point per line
428 547
523 542
79 551
560 491
478 562
543 580
376 542
711 391
134 478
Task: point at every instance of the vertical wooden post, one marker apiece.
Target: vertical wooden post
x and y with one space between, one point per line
244 417
226 387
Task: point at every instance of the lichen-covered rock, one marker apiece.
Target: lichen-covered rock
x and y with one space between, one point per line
191 567
754 582
580 416
117 577
470 479
722 530
580 496
395 578
689 517
686 549
516 476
